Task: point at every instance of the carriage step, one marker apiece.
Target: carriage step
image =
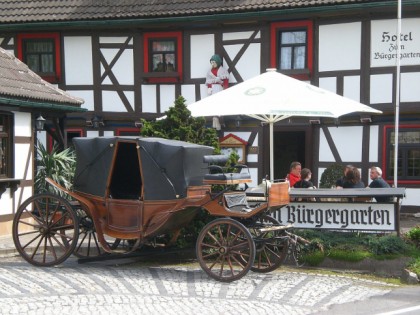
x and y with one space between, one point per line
276 228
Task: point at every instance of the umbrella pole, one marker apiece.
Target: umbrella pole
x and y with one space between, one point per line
271 150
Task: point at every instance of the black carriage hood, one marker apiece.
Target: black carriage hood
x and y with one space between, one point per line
168 166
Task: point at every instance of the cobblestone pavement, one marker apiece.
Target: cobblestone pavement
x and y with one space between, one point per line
132 288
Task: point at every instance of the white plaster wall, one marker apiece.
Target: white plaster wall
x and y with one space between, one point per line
339 46
148 95
329 84
87 96
41 136
349 148
78 60
167 97
188 92
202 48
22 152
203 91
380 88
410 91
6 203
123 69
114 40
23 124
374 144
111 101
240 35
248 66
325 154
351 88
412 197
108 133
92 133
320 171
254 177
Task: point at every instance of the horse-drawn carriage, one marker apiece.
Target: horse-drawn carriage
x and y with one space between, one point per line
132 190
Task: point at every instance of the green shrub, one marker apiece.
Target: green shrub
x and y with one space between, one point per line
414 235
330 175
388 244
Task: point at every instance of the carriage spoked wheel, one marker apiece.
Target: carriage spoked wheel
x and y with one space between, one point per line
225 250
45 230
88 245
271 246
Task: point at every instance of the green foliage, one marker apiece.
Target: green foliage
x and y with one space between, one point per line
180 125
414 235
57 165
314 258
414 266
353 255
388 244
330 175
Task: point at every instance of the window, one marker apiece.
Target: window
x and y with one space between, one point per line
41 52
163 57
292 47
408 163
5 145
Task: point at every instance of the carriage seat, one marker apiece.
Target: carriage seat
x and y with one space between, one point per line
220 175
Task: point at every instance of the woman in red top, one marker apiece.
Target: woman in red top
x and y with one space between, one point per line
294 176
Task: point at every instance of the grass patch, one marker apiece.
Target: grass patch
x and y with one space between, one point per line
350 256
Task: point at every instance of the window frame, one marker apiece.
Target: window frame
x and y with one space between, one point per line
386 153
162 77
55 37
275 30
7 132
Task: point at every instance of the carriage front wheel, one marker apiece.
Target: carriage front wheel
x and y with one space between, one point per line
45 230
225 249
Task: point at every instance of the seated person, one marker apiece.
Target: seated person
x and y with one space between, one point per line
353 179
294 176
305 181
340 182
378 182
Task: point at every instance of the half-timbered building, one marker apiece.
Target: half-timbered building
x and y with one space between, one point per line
130 60
24 100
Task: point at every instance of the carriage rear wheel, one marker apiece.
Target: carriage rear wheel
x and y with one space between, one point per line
45 230
88 244
225 250
271 246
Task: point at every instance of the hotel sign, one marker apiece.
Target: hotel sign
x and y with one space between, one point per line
342 216
384 43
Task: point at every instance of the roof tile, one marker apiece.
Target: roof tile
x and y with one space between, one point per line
17 81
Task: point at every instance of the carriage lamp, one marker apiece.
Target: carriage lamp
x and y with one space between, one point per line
39 123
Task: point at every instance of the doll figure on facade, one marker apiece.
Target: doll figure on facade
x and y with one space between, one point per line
217 78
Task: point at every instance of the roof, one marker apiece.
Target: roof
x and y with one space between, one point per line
18 11
22 87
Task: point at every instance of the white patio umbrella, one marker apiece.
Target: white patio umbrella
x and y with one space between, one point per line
271 97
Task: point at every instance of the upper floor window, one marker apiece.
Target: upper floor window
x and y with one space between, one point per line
163 56
5 145
291 48
408 164
41 52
